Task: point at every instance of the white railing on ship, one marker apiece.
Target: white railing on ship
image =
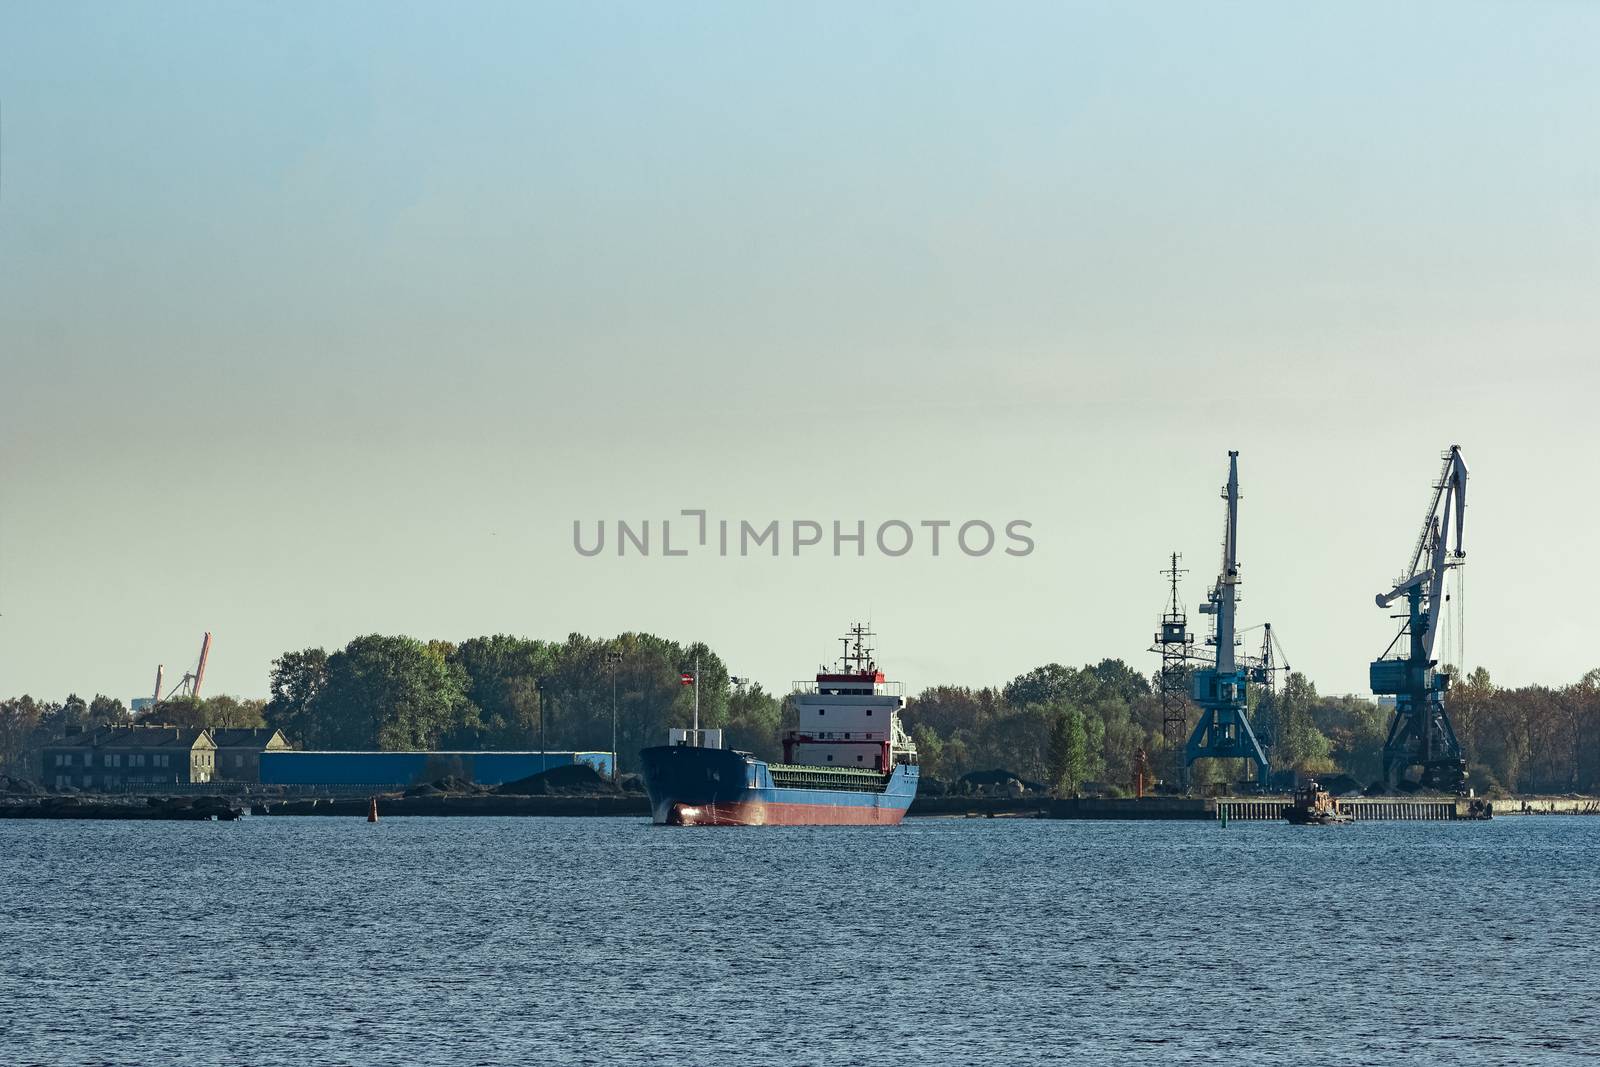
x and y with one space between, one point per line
896 689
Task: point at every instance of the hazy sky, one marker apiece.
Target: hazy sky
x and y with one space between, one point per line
319 320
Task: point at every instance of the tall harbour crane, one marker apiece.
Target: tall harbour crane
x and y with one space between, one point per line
1223 730
189 685
1420 735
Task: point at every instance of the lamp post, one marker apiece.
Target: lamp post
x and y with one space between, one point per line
614 660
543 686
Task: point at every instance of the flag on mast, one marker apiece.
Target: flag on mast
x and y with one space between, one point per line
686 678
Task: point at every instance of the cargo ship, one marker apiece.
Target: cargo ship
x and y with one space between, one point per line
847 761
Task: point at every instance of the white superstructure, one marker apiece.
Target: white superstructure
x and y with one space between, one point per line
850 718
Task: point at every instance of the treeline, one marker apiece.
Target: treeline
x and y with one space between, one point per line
1076 728
1073 729
494 692
1533 739
505 692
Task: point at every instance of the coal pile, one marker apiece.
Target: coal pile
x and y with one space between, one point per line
574 779
1340 785
449 785
997 782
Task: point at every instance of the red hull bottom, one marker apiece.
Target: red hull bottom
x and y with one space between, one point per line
761 813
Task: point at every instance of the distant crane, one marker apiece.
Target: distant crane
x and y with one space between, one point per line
1420 734
1272 662
189 685
1224 731
1263 671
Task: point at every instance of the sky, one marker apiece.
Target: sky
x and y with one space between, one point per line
325 320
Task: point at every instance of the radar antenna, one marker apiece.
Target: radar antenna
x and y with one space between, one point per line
857 657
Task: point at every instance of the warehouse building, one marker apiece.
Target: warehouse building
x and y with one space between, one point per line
401 769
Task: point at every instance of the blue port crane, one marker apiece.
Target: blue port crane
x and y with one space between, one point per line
1420 734
1223 730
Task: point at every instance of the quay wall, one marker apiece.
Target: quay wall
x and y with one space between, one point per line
1254 809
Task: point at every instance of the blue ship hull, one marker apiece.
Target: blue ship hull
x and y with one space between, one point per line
719 787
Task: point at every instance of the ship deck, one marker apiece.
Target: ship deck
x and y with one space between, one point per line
803 776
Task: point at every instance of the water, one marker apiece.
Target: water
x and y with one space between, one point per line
590 941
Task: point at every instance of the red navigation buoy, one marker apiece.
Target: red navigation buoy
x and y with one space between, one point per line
372 812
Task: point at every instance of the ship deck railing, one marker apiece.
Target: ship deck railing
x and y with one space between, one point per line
848 779
894 689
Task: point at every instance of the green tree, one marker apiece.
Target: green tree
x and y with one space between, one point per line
183 711
1043 685
228 712
218 712
387 693
296 679
1299 745
20 732
1016 740
1069 751
930 750
754 722
502 682
1356 729
1116 680
104 709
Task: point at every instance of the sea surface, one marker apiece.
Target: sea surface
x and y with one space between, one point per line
608 941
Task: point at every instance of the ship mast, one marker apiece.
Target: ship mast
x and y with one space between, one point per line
857 657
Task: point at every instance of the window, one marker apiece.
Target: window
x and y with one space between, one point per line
869 711
858 759
238 761
830 759
822 711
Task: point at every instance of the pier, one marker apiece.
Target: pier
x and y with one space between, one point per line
1256 809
